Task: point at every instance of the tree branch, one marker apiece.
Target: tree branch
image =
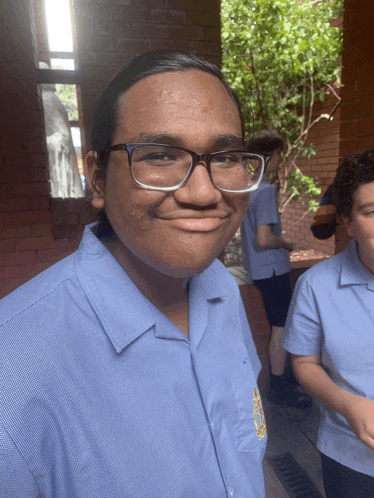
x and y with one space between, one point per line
301 217
285 204
333 91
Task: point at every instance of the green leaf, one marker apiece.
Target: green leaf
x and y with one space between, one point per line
271 49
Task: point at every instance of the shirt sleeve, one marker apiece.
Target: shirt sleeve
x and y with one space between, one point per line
303 334
265 206
16 481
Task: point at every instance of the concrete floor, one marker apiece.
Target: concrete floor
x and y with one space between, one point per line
295 431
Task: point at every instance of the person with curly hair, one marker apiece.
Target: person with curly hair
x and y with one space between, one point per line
329 332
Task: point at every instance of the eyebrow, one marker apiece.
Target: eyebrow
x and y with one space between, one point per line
366 205
220 142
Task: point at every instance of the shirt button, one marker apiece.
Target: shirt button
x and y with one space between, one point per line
231 491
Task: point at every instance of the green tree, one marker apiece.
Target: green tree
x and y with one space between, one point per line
68 96
281 56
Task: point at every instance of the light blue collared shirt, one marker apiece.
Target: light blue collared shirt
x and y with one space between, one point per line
102 396
332 313
261 262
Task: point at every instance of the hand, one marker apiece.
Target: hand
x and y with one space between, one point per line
360 416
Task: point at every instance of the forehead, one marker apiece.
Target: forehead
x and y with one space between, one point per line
178 102
364 194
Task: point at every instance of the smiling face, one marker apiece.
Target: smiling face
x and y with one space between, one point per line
360 225
177 233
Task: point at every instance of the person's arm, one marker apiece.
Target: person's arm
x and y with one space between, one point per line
266 239
357 410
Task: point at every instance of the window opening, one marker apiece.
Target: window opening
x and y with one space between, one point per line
63 118
60 37
64 146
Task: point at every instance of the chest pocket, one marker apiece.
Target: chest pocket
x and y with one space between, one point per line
250 424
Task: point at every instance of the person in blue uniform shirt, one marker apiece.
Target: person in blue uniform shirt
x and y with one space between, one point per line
329 332
266 259
128 369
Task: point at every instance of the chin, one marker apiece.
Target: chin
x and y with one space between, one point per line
181 270
172 262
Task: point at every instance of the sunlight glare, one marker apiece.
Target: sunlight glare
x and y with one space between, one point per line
59 25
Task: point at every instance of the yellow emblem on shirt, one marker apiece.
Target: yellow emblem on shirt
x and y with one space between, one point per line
258 415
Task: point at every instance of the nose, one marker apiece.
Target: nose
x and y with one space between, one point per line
199 190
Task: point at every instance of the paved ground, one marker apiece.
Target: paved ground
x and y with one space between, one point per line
294 431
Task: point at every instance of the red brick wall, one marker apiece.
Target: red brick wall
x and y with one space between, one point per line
257 319
322 166
24 187
357 109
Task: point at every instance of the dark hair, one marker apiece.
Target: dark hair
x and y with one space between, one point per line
147 64
353 171
265 142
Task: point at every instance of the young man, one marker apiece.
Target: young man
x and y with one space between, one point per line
329 332
265 255
128 369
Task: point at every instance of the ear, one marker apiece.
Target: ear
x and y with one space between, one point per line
348 226
95 180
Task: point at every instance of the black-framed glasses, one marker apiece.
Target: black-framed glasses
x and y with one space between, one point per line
168 168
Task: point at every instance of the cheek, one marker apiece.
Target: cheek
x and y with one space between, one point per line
130 209
240 205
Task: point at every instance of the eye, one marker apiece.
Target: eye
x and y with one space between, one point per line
158 157
226 158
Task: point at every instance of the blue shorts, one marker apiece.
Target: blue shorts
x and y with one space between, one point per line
276 294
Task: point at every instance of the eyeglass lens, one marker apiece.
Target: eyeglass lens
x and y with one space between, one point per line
163 167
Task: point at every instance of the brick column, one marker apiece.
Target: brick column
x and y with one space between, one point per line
357 109
24 187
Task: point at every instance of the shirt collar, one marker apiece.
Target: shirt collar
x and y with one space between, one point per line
353 272
211 283
124 312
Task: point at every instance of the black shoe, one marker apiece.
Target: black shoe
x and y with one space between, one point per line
290 398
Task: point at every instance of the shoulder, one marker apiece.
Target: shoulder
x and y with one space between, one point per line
265 192
36 290
38 331
41 316
265 186
323 275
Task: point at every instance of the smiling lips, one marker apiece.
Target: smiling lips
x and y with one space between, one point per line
197 224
